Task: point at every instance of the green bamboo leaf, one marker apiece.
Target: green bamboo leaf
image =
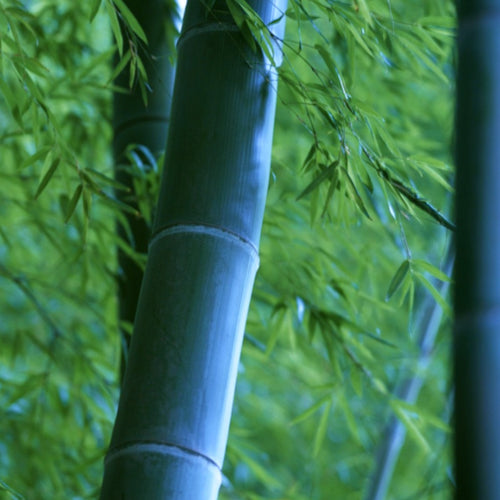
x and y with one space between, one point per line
311 410
12 102
337 369
398 279
115 203
327 114
349 417
115 25
364 11
132 72
94 8
354 194
278 322
327 172
356 380
41 153
87 202
310 159
46 178
429 160
319 437
95 63
358 37
327 333
236 12
73 202
142 70
429 41
4 22
432 270
327 58
437 177
35 90
437 296
407 292
410 426
387 139
106 179
296 15
379 386
35 66
331 190
438 21
122 63
131 20
266 45
312 322
425 416
246 32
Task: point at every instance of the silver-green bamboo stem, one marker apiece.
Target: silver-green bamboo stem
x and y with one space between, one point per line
171 429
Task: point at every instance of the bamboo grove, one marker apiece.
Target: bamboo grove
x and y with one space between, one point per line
344 381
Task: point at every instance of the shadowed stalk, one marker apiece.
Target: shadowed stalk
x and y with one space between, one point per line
477 297
143 127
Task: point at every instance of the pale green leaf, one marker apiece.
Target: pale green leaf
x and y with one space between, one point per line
320 435
398 279
311 410
432 270
73 202
47 176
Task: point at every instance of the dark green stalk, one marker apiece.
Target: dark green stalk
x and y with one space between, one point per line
171 429
477 299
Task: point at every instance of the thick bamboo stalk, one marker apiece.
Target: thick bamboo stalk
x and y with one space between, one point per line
171 430
477 299
145 125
